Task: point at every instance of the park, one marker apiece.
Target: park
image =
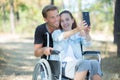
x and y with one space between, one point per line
19 18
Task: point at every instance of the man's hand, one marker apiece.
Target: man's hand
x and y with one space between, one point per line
47 50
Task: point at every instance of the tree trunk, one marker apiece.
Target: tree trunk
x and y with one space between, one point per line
4 17
17 16
52 2
12 17
117 26
4 12
118 50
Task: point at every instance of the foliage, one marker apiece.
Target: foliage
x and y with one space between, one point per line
101 13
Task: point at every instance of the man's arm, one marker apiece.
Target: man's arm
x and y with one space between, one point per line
39 50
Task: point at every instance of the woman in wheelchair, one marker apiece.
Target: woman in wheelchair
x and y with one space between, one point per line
67 41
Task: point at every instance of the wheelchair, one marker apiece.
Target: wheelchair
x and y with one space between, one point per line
47 69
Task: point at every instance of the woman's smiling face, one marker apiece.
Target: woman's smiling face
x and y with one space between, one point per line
66 21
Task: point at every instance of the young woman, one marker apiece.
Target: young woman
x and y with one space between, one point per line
67 41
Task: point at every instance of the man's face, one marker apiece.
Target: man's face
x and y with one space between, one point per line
52 19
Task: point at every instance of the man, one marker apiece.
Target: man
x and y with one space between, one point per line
51 17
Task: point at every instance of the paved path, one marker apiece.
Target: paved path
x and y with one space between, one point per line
20 59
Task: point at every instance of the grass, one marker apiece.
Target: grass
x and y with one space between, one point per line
110 62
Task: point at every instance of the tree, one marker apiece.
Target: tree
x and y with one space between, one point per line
12 17
117 26
52 2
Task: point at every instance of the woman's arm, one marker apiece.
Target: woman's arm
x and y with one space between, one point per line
87 33
59 35
67 34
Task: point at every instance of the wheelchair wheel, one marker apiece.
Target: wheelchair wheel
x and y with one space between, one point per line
42 70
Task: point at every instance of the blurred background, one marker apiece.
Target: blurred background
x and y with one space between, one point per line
19 18
22 16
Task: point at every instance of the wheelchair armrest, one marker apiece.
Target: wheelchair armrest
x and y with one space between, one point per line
91 52
55 52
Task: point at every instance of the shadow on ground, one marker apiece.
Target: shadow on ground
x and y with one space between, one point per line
17 59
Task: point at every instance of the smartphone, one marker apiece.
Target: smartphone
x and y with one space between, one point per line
86 17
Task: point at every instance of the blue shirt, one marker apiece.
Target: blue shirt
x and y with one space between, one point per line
61 44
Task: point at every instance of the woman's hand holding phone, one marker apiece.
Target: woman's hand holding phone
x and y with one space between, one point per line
86 18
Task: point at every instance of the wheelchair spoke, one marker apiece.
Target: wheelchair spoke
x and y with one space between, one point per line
42 71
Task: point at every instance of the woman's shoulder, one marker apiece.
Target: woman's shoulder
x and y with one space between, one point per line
57 31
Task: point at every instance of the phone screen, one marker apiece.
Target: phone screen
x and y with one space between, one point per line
86 17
